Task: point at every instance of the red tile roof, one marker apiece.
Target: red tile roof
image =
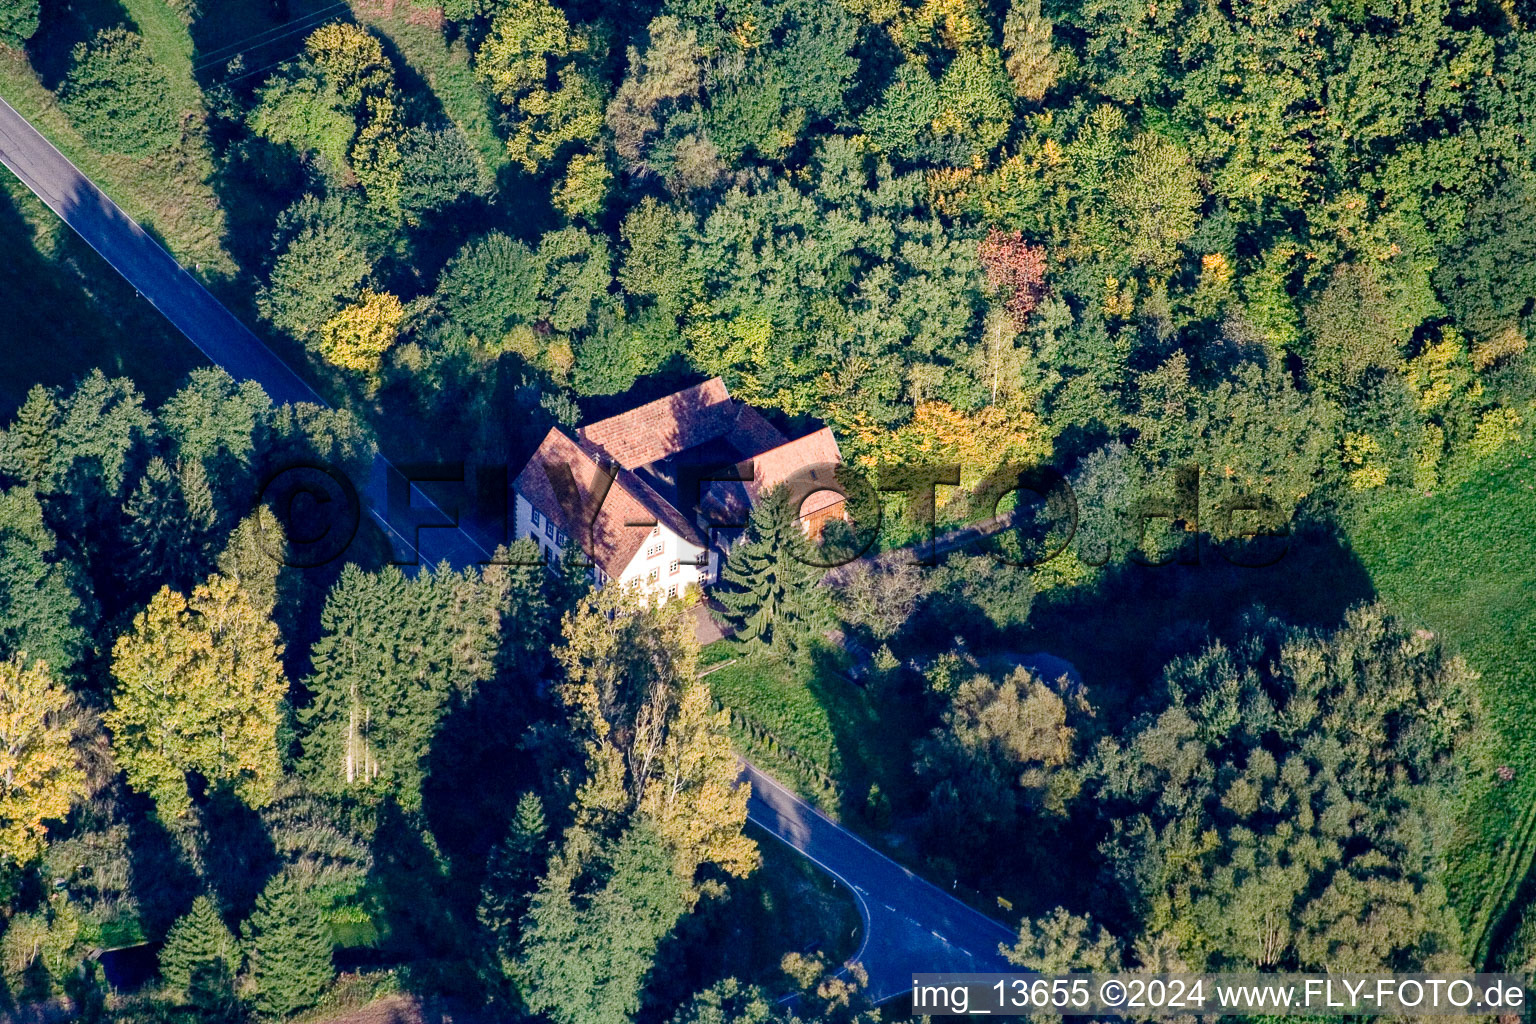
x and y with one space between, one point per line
668 425
613 448
777 465
610 532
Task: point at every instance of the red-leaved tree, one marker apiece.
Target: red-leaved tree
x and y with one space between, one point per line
1017 269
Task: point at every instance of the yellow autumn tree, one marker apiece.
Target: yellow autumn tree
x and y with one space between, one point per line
40 774
654 746
199 689
357 337
978 441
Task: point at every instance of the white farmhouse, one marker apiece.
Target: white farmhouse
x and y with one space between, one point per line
618 488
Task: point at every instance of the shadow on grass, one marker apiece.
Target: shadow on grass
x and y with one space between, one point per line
71 312
64 25
1122 630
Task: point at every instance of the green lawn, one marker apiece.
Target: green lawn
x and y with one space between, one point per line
447 73
1462 562
807 724
67 311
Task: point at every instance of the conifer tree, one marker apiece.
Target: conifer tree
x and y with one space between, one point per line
194 942
513 865
27 449
41 610
770 593
157 524
395 651
289 949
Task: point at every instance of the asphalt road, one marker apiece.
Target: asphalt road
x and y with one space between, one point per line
216 332
909 925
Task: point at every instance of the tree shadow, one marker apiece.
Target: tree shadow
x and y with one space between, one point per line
476 768
1134 619
411 899
162 879
78 314
236 850
64 25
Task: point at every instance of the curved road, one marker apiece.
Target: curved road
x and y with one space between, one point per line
909 925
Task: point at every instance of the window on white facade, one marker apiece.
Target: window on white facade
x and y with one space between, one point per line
672 590
538 520
657 531
549 528
672 568
653 576
653 551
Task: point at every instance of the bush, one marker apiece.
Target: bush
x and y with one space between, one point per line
118 98
18 21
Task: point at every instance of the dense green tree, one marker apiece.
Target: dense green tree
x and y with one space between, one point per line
289 950
395 653
727 1002
219 423
171 520
298 107
491 286
18 21
41 606
118 97
194 941
28 447
1060 942
94 435
437 168
324 255
1357 324
1289 808
769 587
584 957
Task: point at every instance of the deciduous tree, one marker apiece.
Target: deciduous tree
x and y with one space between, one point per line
40 774
199 689
18 21
118 97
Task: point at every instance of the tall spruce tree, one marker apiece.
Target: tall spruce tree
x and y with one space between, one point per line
394 653
512 867
170 524
196 941
27 448
289 949
41 611
770 591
